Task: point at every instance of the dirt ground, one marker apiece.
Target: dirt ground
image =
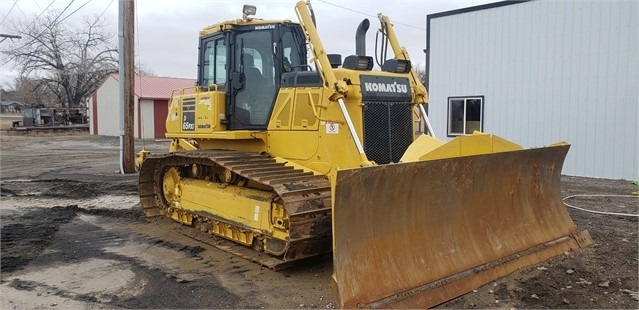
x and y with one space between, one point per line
73 237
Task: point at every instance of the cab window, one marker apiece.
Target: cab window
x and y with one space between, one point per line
293 57
213 63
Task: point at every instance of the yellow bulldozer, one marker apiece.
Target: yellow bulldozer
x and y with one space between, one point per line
295 153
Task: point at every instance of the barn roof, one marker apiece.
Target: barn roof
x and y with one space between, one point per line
157 87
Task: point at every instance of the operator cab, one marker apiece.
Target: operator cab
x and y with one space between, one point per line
246 59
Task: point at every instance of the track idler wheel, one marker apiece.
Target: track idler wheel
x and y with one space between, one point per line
171 188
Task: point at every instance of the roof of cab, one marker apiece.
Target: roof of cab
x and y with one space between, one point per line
229 24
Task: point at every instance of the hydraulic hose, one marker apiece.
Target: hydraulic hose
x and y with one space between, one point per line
599 212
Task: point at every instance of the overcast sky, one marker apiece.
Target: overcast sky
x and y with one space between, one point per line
167 34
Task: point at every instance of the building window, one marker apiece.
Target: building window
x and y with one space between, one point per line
465 115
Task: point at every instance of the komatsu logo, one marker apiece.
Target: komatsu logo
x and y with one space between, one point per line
386 87
382 88
265 27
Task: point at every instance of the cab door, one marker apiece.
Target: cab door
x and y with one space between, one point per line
252 78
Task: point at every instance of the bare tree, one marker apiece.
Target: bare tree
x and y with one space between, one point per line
29 92
143 70
69 61
421 72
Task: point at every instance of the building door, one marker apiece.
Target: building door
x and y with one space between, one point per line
160 111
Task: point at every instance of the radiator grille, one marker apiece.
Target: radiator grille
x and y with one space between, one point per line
388 130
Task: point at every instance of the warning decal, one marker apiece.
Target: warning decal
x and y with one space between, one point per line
332 128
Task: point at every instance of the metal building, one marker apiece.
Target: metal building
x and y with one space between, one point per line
537 72
151 98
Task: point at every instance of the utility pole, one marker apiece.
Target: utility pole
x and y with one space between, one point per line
127 93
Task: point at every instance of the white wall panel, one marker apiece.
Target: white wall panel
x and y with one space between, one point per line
108 109
549 71
148 122
108 113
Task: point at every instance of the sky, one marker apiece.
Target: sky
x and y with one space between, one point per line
167 30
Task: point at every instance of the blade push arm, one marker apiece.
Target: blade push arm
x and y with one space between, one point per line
323 65
337 87
400 53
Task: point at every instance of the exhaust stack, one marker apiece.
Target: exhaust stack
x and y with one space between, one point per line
360 37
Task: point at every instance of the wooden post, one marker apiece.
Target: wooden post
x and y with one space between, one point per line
129 87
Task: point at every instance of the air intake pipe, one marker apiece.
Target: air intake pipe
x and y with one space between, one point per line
360 37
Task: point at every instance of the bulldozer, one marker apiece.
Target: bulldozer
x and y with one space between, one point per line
293 153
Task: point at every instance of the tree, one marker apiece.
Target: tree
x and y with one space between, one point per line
143 70
68 61
421 73
29 92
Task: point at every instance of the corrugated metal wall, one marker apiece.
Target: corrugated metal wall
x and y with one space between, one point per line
147 119
549 71
108 112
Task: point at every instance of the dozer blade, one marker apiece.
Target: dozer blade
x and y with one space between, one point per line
418 234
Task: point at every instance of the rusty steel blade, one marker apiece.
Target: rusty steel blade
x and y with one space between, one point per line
419 234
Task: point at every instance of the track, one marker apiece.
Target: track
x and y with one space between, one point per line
305 197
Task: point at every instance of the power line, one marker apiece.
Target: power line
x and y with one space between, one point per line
63 10
11 9
22 12
45 9
57 17
36 3
105 9
345 8
369 15
74 11
53 23
56 21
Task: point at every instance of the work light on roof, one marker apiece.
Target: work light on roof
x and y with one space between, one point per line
249 10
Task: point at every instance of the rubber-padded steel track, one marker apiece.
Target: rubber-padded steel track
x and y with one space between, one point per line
306 197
